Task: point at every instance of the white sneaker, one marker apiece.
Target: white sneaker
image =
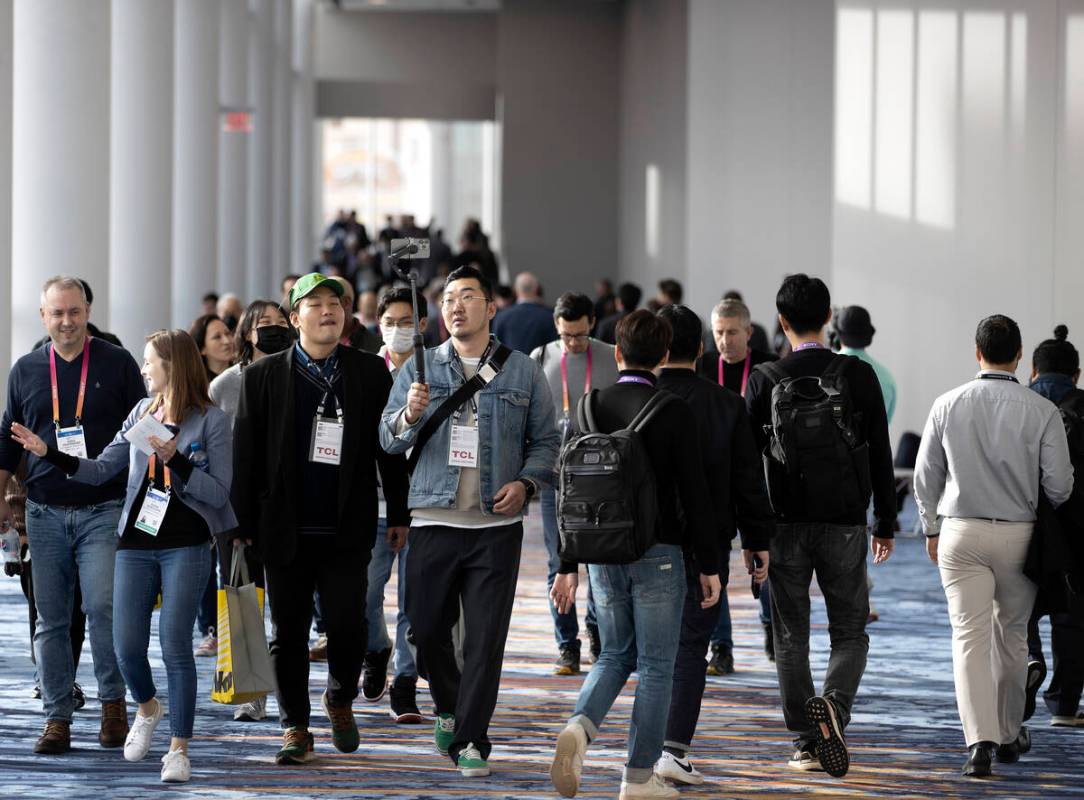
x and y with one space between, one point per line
805 760
138 741
679 770
567 764
251 712
654 788
176 768
1068 722
208 647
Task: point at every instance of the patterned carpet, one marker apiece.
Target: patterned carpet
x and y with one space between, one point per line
905 737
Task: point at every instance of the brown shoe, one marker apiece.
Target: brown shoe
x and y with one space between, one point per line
57 738
114 723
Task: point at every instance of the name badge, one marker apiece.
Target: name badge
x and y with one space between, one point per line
464 449
327 441
71 441
153 511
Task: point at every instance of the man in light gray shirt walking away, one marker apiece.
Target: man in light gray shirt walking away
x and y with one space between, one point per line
987 448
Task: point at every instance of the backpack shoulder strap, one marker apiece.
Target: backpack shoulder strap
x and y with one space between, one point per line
838 365
651 408
585 413
776 374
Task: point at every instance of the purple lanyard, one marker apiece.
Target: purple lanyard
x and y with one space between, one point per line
634 379
809 346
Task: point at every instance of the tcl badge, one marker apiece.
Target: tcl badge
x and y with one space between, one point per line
327 441
464 446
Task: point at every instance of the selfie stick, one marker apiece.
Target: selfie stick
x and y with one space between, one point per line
419 340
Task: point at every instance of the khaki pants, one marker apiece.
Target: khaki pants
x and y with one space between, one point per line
989 602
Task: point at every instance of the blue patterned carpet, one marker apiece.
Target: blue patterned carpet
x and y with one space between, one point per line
905 737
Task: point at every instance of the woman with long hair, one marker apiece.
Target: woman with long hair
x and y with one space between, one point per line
214 344
262 331
178 497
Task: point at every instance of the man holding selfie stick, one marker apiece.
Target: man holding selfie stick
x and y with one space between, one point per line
484 441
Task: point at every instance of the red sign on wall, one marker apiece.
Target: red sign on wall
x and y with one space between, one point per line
237 122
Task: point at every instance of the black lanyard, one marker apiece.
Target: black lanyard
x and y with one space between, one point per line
463 374
996 376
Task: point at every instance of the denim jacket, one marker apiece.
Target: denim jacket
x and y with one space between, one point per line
208 493
517 436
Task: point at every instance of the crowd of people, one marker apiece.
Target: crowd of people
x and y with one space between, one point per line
304 437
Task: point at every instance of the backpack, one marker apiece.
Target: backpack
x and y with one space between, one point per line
607 505
815 465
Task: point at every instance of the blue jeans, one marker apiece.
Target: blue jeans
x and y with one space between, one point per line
639 619
379 572
64 540
723 633
566 628
180 574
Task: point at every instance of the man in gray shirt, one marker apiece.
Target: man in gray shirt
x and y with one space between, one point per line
987 448
573 364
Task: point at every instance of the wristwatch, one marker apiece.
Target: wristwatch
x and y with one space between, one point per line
532 489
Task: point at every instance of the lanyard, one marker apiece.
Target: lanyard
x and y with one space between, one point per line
82 383
387 361
150 472
809 346
325 375
997 376
564 378
463 374
744 374
634 379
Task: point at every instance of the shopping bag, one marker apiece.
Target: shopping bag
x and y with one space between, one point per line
243 671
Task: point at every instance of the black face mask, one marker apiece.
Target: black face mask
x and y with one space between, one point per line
231 322
273 339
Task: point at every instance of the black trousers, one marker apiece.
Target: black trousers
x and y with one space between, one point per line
479 568
225 562
1062 695
690 666
341 578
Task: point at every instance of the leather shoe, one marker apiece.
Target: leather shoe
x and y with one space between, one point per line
978 759
114 728
1008 753
56 739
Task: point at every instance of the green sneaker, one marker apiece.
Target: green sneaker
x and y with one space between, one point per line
471 764
344 729
444 732
297 747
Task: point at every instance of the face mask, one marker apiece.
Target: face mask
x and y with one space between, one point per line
398 340
231 322
273 339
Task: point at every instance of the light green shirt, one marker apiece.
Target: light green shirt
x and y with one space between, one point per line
884 377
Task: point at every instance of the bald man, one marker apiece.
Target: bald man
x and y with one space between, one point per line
529 323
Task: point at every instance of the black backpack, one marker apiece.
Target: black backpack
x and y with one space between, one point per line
816 467
607 506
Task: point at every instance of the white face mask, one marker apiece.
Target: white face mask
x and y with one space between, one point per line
398 340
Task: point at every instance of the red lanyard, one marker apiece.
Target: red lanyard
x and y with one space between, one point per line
387 360
564 378
744 374
82 383
150 472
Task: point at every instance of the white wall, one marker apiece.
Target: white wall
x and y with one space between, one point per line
654 61
959 180
759 147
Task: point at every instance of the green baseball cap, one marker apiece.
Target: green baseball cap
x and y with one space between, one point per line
307 284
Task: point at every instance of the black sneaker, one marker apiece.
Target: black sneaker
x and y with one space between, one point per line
769 642
404 703
374 675
595 643
832 747
1036 676
78 698
722 660
568 663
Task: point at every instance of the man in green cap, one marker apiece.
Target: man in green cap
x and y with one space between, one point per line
306 455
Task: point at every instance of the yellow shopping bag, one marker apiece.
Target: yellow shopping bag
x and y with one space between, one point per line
243 672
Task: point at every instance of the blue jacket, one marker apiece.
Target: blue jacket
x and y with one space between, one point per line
205 492
525 326
517 435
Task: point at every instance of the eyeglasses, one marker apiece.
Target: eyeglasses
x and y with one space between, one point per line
572 338
451 301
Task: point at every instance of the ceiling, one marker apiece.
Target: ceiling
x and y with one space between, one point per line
419 5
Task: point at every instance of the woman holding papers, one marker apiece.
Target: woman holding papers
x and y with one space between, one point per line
178 450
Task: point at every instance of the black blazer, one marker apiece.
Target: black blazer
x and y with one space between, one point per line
265 485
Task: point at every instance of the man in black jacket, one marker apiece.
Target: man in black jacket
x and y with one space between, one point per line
808 538
305 458
735 483
638 602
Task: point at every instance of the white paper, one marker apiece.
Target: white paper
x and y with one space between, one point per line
140 434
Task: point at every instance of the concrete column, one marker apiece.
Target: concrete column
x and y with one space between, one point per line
195 159
7 38
141 175
233 148
282 128
302 235
258 210
60 155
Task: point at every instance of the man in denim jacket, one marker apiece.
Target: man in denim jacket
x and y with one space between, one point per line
472 480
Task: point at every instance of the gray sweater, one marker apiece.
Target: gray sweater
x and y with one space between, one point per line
603 372
226 391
